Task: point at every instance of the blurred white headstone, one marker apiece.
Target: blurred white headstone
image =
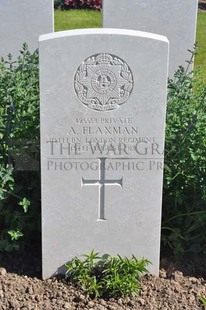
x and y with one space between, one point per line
175 19
23 21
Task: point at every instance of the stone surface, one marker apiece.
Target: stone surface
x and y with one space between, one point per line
174 19
23 21
2 271
103 94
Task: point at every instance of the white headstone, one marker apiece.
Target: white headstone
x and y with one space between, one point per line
103 94
175 19
23 21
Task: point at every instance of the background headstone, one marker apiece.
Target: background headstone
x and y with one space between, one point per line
23 21
103 94
174 19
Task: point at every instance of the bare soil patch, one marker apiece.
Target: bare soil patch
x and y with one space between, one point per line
21 287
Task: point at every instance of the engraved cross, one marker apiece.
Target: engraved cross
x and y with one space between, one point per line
101 184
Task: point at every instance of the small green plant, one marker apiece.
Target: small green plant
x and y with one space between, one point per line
106 276
203 301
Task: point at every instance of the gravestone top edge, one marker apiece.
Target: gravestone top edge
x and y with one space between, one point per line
103 31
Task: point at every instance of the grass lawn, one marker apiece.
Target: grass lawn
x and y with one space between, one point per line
201 39
76 19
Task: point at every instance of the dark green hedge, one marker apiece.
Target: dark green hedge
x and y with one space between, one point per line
184 201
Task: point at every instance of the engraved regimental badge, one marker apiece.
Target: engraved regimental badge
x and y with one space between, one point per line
103 82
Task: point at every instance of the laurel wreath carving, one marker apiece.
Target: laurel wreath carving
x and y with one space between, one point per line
94 103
